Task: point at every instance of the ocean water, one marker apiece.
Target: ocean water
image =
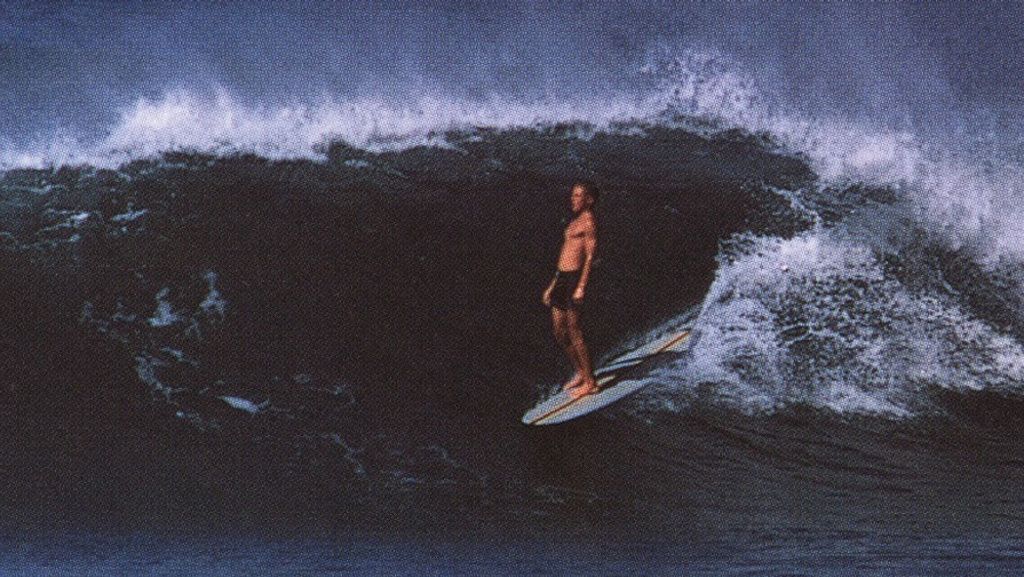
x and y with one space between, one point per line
836 555
273 274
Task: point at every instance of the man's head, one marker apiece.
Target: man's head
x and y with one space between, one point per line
584 195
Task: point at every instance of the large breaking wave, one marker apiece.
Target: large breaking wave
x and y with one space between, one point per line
345 289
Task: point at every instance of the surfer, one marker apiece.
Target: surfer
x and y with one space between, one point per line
566 292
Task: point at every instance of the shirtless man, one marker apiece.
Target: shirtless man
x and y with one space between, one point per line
565 293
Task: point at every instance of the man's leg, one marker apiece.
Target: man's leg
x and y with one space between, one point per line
588 384
560 326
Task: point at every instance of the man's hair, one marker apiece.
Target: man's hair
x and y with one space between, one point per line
589 188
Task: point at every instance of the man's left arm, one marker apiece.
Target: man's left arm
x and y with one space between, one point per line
589 248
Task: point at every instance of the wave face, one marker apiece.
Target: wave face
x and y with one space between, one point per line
351 326
275 283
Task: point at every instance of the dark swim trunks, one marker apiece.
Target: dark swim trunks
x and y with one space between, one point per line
565 285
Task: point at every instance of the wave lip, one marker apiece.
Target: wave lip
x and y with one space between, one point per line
186 121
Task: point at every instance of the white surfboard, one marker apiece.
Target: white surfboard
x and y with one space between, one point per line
610 378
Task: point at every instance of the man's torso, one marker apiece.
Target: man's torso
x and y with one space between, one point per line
572 256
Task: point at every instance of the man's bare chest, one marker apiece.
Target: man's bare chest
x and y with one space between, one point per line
576 229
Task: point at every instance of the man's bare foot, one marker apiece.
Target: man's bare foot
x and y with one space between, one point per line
574 382
587 387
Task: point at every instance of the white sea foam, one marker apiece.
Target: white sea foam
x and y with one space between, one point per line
244 404
128 216
220 124
164 315
214 303
966 186
815 320
703 85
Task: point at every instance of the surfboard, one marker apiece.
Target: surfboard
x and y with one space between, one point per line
618 379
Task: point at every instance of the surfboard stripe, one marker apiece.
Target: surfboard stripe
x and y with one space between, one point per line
606 378
570 402
620 364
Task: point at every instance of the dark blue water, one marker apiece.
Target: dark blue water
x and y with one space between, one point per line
837 555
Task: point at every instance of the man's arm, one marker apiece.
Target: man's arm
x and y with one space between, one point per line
546 297
589 248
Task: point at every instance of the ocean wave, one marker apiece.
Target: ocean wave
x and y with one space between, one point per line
969 195
749 346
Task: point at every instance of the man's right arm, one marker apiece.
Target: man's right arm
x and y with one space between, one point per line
546 297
